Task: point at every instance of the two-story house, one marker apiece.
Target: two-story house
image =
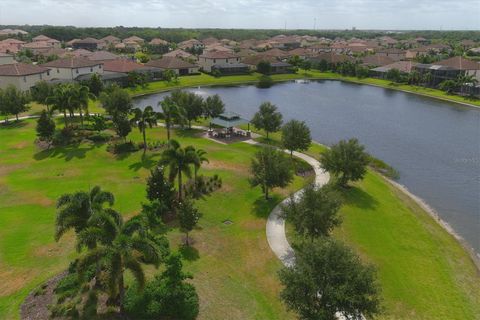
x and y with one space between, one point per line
71 68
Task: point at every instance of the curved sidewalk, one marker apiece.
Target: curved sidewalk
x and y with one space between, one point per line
276 237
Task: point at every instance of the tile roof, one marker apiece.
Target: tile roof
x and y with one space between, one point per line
71 62
218 55
170 63
37 44
256 59
402 66
376 60
81 53
88 40
43 38
20 69
13 41
121 65
110 38
459 63
133 38
102 55
179 53
157 42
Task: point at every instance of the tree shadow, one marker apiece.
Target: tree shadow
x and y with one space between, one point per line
189 253
147 162
356 197
68 152
262 207
13 124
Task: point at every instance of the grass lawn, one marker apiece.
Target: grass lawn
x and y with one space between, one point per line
423 271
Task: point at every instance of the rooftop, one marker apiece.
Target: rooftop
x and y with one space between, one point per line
20 69
71 62
170 63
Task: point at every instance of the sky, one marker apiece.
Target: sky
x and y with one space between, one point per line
273 14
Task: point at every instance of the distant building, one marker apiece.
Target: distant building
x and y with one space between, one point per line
395 54
71 68
102 56
52 42
179 66
212 58
23 76
158 42
136 39
91 44
191 44
179 53
402 66
110 40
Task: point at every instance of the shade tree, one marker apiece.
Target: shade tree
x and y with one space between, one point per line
296 136
267 118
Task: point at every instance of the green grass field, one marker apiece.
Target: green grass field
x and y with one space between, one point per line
424 272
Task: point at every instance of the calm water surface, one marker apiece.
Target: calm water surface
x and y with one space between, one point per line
434 145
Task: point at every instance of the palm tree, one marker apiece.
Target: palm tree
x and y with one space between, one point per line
171 113
76 209
198 159
142 119
128 246
79 97
60 99
178 160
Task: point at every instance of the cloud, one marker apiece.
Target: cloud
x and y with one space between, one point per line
364 14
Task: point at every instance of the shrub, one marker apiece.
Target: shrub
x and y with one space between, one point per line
64 136
265 82
118 148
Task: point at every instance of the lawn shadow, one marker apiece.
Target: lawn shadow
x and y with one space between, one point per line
188 133
355 196
147 162
263 207
13 124
68 152
189 253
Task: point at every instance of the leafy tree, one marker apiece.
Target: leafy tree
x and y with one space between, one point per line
41 91
95 84
160 189
295 61
306 65
79 97
270 168
99 122
116 101
45 126
190 103
169 76
142 57
213 106
14 101
264 67
296 136
178 160
188 217
347 160
143 119
323 65
327 278
315 213
122 126
171 113
414 77
167 296
60 99
449 86
394 75
267 118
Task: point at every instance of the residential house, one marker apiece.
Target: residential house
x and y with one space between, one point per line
71 68
276 66
402 66
319 48
300 52
210 41
395 54
117 71
110 40
81 53
330 58
466 66
191 44
376 60
38 47
91 44
277 53
179 53
179 66
208 59
421 41
158 42
9 32
285 42
71 42
387 41
102 56
6 58
136 39
13 43
23 76
52 42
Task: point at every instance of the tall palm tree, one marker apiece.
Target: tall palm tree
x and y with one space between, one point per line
60 99
79 97
171 113
198 159
76 209
142 119
178 160
128 247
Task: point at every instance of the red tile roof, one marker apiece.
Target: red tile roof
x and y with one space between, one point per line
170 63
218 55
20 69
459 63
121 65
71 62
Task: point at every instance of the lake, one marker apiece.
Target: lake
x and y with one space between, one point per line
434 145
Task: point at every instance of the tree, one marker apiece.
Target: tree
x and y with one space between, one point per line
116 101
143 119
190 103
95 84
264 67
328 278
323 65
160 189
41 91
79 97
394 75
265 82
99 122
213 106
171 113
346 160
188 217
168 296
14 101
270 168
178 160
314 214
449 86
142 57
122 126
45 126
76 209
306 65
60 99
198 159
296 136
169 76
295 61
267 118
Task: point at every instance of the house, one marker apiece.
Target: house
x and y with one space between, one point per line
158 42
110 40
13 42
299 52
217 47
402 66
208 59
285 42
130 44
210 41
179 66
421 41
277 53
71 42
55 52
123 66
23 76
81 53
91 44
52 42
276 66
179 53
191 44
230 68
465 66
70 68
102 56
6 58
376 60
9 32
136 39
331 58
38 47
8 48
395 54
318 48
387 41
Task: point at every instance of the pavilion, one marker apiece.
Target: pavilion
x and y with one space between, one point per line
229 120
